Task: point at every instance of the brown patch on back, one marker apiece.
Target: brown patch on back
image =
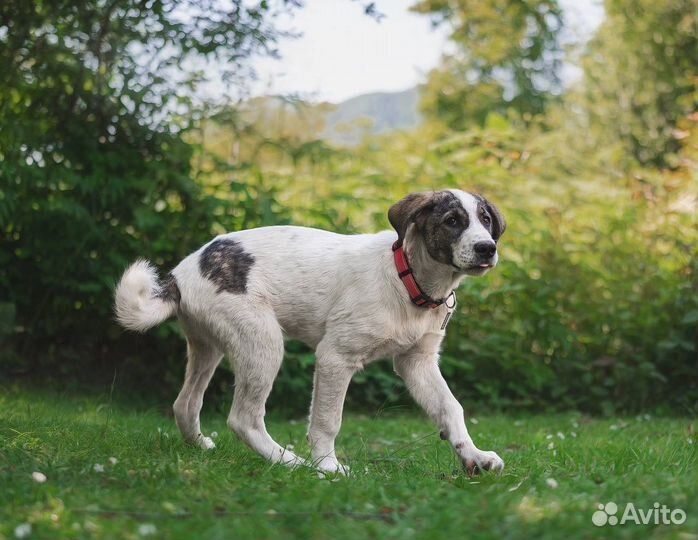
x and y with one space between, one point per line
227 264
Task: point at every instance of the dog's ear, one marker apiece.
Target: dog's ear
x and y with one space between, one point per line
499 225
411 209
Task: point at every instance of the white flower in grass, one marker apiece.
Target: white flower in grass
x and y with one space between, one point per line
38 477
23 530
474 420
98 467
552 483
147 529
214 434
551 445
573 435
549 436
561 435
113 460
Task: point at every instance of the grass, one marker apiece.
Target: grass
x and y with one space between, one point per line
405 482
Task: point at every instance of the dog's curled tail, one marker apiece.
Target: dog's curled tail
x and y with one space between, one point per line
141 301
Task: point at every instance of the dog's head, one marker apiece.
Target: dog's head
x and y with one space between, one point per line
457 228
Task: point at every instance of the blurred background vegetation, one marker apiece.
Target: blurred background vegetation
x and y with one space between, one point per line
108 153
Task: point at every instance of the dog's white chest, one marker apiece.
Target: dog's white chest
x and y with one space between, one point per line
401 335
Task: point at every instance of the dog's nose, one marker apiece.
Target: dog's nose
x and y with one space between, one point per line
485 249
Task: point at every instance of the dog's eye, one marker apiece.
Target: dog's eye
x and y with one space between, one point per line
451 222
486 219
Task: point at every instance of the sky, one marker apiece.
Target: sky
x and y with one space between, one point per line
343 53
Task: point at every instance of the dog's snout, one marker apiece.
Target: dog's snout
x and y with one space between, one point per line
485 249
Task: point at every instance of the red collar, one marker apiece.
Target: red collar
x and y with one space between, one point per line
404 272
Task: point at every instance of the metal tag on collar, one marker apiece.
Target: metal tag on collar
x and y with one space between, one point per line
449 308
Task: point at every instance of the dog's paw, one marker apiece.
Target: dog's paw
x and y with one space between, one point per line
482 461
205 443
331 466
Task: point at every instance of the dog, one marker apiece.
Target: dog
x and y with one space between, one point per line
352 298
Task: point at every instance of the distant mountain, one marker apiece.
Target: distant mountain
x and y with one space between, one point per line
342 124
374 113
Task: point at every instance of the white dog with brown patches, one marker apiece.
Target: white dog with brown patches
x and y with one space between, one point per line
354 299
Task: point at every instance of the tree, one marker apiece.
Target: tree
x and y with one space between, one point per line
640 77
94 167
507 56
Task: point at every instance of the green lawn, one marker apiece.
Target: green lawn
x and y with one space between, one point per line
405 481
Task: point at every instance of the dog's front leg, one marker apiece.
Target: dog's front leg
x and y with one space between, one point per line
333 374
420 371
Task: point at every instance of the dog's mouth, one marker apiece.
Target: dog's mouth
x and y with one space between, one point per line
475 264
480 266
478 269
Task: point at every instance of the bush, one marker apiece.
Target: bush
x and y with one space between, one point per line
593 305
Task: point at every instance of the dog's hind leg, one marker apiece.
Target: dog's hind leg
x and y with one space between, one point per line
203 359
257 352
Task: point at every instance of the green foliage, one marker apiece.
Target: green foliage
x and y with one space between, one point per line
94 168
105 158
508 56
640 78
593 304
